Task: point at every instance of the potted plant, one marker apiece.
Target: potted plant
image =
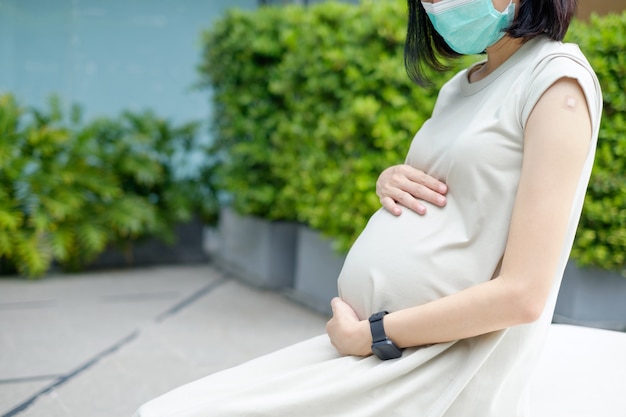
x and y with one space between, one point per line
25 222
71 190
168 198
53 197
257 225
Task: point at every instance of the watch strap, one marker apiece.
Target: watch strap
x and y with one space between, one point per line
376 326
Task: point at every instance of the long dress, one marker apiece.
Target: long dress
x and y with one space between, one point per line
473 142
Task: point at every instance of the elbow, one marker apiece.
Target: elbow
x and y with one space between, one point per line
527 303
529 312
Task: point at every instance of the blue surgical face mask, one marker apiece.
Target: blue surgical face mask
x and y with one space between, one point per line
469 26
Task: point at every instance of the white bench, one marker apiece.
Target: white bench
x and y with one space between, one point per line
582 373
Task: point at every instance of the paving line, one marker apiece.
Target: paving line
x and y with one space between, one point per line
114 348
191 299
33 378
65 378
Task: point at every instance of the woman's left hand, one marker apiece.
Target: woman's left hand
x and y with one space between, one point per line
349 335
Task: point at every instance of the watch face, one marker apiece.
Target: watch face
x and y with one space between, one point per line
386 350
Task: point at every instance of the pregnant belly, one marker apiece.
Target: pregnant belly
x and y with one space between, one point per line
400 262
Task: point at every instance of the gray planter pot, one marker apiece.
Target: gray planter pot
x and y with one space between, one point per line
593 298
257 251
187 248
317 267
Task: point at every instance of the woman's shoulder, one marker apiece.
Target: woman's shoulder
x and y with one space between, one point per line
549 61
546 51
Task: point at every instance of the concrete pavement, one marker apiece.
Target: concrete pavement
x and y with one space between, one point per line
100 344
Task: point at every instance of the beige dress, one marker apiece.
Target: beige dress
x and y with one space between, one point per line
474 142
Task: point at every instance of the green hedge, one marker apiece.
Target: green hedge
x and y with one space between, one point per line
601 238
69 190
312 103
241 54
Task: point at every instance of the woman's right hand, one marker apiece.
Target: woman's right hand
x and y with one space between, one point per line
409 187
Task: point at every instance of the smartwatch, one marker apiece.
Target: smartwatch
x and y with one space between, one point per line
382 347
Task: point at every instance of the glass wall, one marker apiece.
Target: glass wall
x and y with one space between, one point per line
304 2
108 55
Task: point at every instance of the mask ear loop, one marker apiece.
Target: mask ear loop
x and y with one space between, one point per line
507 9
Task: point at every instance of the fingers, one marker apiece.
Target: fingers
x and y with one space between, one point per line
331 325
418 184
346 332
420 177
409 201
390 205
403 185
342 310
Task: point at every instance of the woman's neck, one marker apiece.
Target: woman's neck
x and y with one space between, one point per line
496 55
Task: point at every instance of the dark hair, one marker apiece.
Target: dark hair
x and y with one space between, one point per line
424 46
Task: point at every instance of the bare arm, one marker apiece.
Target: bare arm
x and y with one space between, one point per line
555 147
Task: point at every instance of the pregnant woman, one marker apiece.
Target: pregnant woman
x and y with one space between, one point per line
443 306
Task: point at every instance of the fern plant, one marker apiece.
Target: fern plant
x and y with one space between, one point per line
17 246
69 189
148 154
141 156
43 189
